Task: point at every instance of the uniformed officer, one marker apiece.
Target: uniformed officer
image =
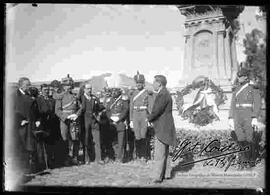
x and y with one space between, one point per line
138 113
66 108
244 111
117 111
106 129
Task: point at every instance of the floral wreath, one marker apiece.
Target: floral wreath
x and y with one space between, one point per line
201 116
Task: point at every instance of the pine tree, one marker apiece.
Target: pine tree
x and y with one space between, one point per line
255 50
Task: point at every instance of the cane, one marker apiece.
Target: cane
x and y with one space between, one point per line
45 156
43 172
127 144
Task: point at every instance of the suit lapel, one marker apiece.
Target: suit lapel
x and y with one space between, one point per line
92 103
89 101
162 92
159 96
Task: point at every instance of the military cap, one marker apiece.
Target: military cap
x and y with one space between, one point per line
139 78
67 81
55 83
243 72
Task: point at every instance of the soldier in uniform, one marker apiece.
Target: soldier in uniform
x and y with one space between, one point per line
117 111
106 129
244 111
66 108
138 114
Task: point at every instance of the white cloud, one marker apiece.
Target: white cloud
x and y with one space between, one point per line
55 40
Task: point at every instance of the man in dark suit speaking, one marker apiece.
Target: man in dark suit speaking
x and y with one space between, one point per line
163 123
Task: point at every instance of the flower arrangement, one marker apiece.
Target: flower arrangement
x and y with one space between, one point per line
204 115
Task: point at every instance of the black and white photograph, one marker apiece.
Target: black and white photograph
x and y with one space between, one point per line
134 96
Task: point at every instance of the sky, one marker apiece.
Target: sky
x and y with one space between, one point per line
52 40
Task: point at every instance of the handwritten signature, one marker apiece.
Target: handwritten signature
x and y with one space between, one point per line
225 153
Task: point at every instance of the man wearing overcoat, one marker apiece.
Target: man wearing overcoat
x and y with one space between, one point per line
26 122
163 124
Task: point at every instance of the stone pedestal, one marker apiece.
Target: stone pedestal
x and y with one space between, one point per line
209 45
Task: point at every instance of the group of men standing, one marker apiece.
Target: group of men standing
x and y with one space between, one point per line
52 126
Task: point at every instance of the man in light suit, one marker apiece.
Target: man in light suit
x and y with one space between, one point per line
163 123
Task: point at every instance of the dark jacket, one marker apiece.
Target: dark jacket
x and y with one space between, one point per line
25 108
49 120
46 112
162 119
118 107
90 108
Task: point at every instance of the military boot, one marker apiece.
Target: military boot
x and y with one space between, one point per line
138 148
143 149
86 155
75 152
66 153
